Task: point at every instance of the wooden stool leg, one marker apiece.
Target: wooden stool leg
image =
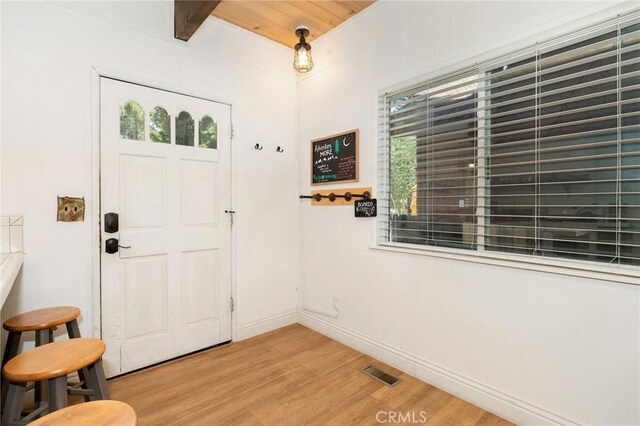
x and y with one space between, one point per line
74 333
98 381
73 330
43 337
15 400
10 351
13 345
40 392
57 393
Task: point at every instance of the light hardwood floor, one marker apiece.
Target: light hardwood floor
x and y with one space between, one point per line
289 376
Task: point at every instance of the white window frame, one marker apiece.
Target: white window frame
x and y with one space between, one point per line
623 274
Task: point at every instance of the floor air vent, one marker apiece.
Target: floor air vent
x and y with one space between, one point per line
378 374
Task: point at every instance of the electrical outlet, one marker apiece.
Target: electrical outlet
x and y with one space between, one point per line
336 303
70 209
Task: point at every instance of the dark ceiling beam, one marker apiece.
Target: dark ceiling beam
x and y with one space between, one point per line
188 15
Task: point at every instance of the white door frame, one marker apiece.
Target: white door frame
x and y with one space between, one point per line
96 75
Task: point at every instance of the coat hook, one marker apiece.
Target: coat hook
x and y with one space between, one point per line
257 147
280 150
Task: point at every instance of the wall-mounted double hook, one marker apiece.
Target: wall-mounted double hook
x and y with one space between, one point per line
259 147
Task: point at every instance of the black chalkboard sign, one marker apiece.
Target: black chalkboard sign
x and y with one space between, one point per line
335 158
366 208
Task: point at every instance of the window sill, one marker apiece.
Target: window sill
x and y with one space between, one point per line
616 274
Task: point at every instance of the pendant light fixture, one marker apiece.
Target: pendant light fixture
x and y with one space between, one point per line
302 61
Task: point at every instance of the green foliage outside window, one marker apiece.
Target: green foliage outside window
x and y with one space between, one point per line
132 121
208 133
403 179
185 129
160 125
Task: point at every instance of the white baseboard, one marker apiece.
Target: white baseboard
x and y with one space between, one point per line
485 397
264 325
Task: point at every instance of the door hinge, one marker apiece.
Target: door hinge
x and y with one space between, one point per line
233 305
231 213
232 131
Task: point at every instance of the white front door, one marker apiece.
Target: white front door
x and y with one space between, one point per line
165 171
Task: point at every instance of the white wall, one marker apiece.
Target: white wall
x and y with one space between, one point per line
564 349
48 50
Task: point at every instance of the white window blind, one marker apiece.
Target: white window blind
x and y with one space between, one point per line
537 153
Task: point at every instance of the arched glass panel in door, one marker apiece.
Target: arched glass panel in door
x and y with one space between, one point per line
160 125
208 133
185 131
132 121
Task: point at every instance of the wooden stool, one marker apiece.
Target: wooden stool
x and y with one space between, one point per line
52 363
43 322
95 413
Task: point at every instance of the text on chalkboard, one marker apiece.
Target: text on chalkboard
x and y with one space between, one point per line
335 158
366 208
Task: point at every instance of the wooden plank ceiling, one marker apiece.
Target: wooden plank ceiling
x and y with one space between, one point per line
278 19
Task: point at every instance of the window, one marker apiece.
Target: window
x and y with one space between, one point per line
160 125
534 154
185 129
132 121
208 133
132 127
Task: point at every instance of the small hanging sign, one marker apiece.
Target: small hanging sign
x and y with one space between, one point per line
366 208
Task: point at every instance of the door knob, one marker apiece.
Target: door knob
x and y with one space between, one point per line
111 246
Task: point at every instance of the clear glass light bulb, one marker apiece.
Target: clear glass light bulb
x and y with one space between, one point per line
302 61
